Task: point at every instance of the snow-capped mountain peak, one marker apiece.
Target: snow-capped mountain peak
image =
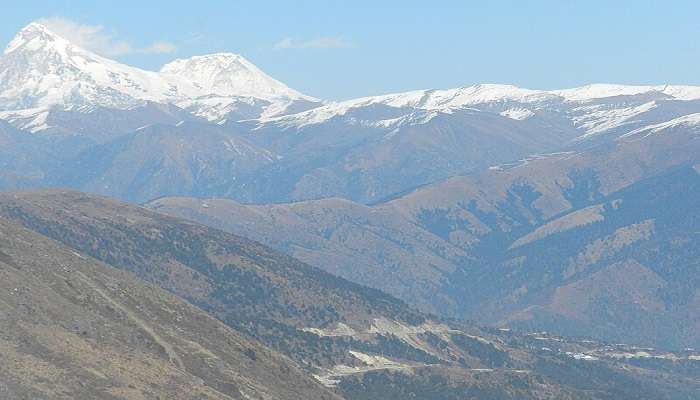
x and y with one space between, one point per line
40 70
228 74
27 34
431 100
605 90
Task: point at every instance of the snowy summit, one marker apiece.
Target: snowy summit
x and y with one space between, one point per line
40 69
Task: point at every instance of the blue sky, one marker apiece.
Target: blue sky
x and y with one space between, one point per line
344 49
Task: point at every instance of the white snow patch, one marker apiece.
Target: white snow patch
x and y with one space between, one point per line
602 90
691 120
597 119
517 114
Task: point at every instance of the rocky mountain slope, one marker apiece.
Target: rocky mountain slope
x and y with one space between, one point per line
72 327
156 160
356 341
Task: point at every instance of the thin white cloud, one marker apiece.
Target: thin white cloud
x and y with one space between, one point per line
159 48
94 38
318 43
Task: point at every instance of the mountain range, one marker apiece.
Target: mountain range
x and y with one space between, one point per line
522 244
78 324
205 231
217 126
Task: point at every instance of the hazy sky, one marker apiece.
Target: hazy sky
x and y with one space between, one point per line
344 49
